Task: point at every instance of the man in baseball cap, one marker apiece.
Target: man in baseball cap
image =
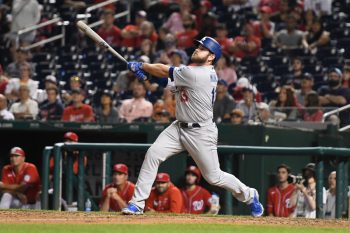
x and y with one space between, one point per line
165 196
117 194
196 198
20 184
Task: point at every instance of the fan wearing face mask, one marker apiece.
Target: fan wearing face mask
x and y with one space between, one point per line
334 95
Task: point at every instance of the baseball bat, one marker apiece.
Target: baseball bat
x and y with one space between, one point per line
94 36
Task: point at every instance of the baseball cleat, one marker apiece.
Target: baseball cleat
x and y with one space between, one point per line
256 208
132 209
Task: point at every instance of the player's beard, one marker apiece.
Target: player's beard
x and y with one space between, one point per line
199 60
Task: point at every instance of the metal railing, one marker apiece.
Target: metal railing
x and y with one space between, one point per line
102 4
336 111
56 20
342 155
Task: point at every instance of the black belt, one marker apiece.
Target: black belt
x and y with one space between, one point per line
188 125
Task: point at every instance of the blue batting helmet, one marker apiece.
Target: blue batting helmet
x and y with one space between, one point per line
212 45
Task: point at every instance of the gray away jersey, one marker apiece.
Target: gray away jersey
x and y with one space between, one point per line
195 92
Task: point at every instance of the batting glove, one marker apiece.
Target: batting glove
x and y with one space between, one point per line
135 67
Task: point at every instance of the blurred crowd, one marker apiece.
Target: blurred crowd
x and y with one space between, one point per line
275 65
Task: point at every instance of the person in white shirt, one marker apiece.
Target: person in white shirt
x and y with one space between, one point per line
26 108
137 107
4 113
12 87
25 13
329 208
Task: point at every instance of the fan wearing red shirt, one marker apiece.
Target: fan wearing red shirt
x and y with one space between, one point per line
221 37
108 31
264 28
20 183
78 111
246 45
131 32
185 38
196 199
116 195
279 197
165 197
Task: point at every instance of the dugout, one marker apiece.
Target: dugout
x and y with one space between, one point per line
254 170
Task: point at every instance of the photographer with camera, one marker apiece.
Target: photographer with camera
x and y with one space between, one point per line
279 196
304 196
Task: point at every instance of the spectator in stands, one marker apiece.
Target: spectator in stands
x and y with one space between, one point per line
307 83
125 82
78 111
176 58
274 5
108 31
246 45
106 113
13 70
20 183
304 197
205 7
242 83
50 82
163 56
24 14
3 81
147 49
313 110
264 28
309 18
117 194
329 208
289 38
316 37
237 117
186 37
225 71
208 25
264 115
162 32
26 108
279 196
165 197
174 22
248 105
5 114
222 38
197 200
147 31
224 103
137 107
334 95
285 107
52 108
320 7
294 79
12 87
131 32
346 76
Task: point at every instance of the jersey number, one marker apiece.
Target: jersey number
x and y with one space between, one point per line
183 94
213 95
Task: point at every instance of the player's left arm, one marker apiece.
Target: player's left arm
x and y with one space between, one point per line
157 70
13 187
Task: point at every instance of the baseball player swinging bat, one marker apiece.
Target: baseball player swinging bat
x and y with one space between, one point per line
93 35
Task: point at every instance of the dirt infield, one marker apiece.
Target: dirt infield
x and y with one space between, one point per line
54 217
